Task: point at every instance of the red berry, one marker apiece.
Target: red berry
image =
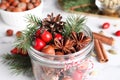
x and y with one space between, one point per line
106 25
38 32
117 33
15 50
46 36
58 36
38 44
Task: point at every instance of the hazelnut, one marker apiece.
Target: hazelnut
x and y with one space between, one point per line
49 50
10 1
10 8
30 6
37 3
6 3
18 34
9 32
3 6
15 3
22 5
17 9
25 1
33 1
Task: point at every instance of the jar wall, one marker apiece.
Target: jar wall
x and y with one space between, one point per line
78 72
74 66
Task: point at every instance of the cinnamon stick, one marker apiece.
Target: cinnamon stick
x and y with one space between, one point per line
101 54
103 38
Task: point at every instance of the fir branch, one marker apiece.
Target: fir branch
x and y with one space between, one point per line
33 20
72 3
73 23
27 37
18 63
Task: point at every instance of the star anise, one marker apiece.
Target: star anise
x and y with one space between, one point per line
53 24
80 39
65 46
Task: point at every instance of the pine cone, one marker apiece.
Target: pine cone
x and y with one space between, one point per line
53 24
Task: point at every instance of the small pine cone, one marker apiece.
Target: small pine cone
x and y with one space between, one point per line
53 24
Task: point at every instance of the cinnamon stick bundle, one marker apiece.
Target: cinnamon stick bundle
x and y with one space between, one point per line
101 54
103 38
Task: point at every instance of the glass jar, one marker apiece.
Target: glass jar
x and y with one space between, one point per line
62 67
108 7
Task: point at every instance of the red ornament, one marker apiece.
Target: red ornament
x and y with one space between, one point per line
106 25
46 36
58 36
117 33
38 44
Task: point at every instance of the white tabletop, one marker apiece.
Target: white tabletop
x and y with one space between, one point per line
104 71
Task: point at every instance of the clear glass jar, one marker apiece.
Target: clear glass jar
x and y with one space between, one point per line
62 67
108 7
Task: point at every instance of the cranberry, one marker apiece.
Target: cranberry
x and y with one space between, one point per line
117 33
106 25
39 44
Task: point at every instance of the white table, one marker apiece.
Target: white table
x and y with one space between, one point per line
104 71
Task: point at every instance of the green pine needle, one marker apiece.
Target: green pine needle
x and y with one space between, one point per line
85 6
33 20
73 23
18 63
27 37
67 4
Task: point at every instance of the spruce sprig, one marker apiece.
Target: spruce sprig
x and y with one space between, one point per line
18 63
72 3
73 23
33 20
27 37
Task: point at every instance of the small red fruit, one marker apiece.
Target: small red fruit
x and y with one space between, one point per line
58 36
106 25
38 44
15 50
38 32
117 33
46 36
